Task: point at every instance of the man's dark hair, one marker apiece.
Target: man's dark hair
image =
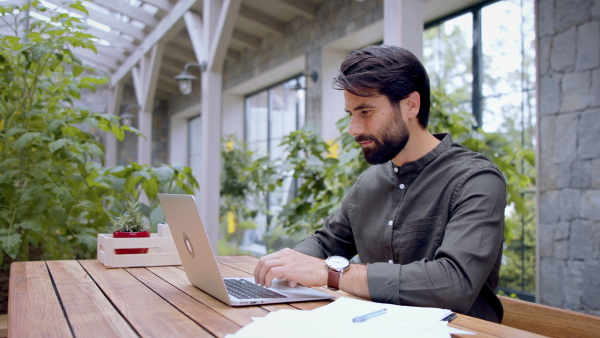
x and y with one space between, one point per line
385 70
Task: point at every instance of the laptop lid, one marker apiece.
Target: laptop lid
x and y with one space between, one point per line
200 262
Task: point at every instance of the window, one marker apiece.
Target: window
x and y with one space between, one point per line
484 59
272 114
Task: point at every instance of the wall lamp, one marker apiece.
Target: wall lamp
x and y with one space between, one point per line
127 116
185 78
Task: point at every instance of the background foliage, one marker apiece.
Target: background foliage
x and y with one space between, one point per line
55 196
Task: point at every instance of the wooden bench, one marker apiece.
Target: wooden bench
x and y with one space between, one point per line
3 325
547 320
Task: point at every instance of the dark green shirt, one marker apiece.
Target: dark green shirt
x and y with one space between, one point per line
430 231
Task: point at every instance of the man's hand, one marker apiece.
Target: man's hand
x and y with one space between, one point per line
292 265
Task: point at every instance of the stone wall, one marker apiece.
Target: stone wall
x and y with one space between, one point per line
569 154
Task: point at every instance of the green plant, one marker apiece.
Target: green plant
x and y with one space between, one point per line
132 220
243 188
55 196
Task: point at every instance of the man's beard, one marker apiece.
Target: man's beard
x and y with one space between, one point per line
391 141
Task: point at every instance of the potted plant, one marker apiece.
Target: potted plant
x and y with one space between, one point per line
132 223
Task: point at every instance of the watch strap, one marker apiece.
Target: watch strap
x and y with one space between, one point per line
333 279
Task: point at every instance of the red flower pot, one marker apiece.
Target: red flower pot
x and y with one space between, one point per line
121 234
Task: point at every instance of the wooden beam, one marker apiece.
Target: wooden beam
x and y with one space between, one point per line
305 8
13 3
222 34
145 79
246 39
195 30
174 68
89 55
113 39
135 13
165 94
267 21
100 68
162 4
184 56
169 26
111 52
169 81
110 21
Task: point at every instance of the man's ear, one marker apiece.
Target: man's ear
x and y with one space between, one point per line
413 104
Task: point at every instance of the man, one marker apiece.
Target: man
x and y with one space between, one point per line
426 220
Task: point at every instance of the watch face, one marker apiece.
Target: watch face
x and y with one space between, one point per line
337 262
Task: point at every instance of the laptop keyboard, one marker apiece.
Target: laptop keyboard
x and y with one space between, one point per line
244 289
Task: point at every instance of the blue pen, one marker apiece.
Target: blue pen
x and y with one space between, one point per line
368 316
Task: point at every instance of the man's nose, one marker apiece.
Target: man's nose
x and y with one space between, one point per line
356 127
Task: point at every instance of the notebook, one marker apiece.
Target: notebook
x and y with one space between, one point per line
201 267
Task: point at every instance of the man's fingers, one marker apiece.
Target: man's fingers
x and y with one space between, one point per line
274 272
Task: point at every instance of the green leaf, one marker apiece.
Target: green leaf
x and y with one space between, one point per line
58 144
25 139
10 244
77 70
31 225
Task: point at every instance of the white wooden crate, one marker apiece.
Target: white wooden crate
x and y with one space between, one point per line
162 250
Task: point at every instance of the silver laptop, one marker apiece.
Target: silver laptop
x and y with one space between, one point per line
201 266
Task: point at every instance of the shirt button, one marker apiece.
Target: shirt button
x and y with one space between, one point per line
391 261
395 169
390 222
401 186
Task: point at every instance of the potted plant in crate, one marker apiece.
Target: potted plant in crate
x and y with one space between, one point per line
132 223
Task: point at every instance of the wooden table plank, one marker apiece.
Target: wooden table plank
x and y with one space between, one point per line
34 307
177 278
208 318
147 312
481 327
88 310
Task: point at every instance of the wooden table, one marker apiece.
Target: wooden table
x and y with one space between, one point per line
85 299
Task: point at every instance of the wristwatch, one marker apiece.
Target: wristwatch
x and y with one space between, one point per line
336 266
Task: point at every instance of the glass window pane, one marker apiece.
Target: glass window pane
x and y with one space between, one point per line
257 119
447 56
501 45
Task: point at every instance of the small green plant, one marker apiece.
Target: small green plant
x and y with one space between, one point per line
132 220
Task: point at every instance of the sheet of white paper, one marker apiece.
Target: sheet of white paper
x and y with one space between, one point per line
335 319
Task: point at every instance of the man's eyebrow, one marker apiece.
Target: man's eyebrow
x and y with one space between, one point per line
361 106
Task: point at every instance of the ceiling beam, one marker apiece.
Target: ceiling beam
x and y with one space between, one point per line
184 56
134 13
165 29
246 39
89 55
162 4
161 93
195 30
171 67
304 8
110 21
222 34
267 21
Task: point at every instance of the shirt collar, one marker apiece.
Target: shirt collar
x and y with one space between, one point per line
445 143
